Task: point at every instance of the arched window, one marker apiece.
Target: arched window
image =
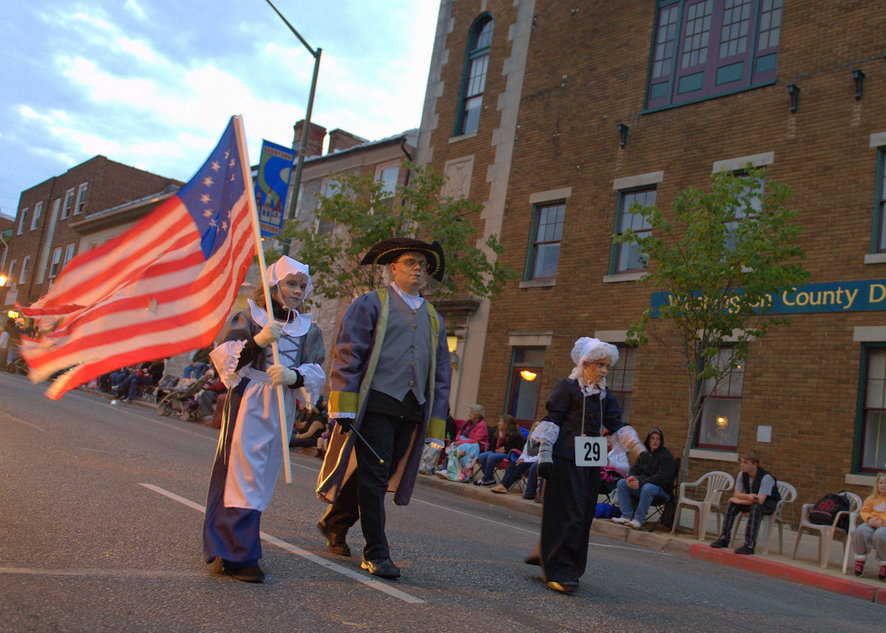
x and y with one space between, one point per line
474 78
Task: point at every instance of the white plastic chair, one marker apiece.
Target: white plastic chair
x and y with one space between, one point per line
788 494
715 483
854 521
826 533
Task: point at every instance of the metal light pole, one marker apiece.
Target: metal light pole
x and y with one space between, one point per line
293 196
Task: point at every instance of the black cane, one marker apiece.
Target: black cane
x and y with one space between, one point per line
368 445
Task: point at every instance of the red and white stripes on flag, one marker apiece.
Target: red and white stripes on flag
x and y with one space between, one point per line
163 287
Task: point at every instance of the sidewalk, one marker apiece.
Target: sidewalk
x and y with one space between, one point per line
804 570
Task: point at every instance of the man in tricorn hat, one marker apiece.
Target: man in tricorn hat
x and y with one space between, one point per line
389 382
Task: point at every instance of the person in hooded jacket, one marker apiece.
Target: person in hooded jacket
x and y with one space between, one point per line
579 406
651 478
250 451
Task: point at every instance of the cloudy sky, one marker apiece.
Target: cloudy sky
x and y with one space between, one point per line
152 83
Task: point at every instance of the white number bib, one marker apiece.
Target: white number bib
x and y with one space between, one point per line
590 451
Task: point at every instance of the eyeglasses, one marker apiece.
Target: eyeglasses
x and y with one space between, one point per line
410 262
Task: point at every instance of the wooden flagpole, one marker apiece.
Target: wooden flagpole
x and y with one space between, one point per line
256 230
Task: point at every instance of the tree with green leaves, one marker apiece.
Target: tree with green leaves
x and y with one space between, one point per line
362 213
717 262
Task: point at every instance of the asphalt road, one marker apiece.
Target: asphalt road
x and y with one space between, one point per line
100 521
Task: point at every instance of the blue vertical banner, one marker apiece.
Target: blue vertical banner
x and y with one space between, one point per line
271 186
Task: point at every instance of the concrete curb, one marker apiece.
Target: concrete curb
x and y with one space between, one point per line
787 572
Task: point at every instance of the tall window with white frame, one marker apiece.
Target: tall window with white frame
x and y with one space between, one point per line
879 245
81 198
708 48
527 364
388 177
621 379
10 274
473 82
871 417
627 257
38 210
547 230
21 221
721 411
23 275
69 255
756 203
68 206
55 265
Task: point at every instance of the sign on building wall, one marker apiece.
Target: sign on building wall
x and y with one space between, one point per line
272 184
840 296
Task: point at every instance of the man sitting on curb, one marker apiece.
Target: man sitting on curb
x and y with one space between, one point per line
761 498
651 478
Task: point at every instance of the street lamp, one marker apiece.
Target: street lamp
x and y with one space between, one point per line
290 212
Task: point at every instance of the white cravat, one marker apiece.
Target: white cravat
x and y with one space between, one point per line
413 301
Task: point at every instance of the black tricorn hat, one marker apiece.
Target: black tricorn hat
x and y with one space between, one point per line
388 251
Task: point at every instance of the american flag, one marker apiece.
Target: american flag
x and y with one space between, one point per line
163 287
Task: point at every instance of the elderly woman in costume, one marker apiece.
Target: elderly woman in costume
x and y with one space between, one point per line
389 389
249 453
579 406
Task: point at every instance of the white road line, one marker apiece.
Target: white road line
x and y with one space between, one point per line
20 421
370 582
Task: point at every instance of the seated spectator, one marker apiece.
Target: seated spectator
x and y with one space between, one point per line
471 439
616 468
872 533
198 365
310 427
651 477
208 397
148 373
756 493
526 463
507 438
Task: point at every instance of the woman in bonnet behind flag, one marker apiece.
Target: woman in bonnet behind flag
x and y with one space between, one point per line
249 453
579 405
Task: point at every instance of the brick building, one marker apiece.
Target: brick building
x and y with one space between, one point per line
69 213
557 115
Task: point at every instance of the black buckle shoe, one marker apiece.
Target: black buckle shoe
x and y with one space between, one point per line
382 568
563 586
335 543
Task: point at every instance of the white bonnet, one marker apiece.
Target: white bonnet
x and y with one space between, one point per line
288 266
587 348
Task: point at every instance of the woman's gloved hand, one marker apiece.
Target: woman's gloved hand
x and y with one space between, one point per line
269 334
281 375
545 459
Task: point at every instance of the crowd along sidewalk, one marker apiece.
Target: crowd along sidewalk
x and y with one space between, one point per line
803 570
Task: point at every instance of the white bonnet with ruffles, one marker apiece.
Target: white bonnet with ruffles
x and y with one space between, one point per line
587 349
288 266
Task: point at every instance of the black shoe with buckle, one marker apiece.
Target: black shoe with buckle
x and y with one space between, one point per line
563 586
382 568
335 543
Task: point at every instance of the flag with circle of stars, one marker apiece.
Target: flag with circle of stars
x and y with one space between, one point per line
211 194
